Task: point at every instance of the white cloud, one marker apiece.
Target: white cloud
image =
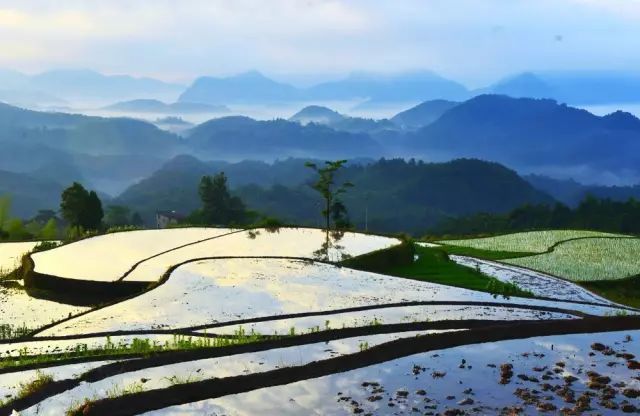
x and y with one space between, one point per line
475 40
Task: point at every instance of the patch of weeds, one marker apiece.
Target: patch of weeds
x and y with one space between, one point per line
79 408
45 245
122 228
26 389
38 383
137 346
176 380
499 288
119 391
12 332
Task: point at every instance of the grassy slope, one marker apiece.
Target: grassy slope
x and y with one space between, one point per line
483 254
434 266
624 291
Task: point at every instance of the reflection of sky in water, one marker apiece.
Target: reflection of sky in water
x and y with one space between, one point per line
57 346
9 382
224 290
18 309
538 283
216 367
110 256
288 242
11 253
319 396
393 315
107 257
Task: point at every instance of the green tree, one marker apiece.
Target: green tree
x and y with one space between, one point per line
340 216
117 216
50 230
15 229
94 213
81 208
136 219
5 208
326 185
218 206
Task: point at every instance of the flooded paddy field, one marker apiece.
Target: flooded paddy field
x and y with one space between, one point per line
241 322
254 288
11 254
569 374
537 282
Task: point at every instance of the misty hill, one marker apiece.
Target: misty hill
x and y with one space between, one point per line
12 117
422 114
108 153
172 186
526 85
29 193
418 86
573 87
156 106
29 98
253 87
398 195
534 134
572 193
84 85
323 115
83 134
242 137
317 114
249 87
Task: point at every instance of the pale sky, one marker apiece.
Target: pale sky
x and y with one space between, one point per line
472 41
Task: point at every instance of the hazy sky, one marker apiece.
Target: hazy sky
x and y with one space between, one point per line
472 41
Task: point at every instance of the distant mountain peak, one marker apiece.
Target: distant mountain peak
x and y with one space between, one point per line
622 120
146 105
252 74
317 114
423 114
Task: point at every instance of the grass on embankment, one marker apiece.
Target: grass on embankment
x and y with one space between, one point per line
624 291
483 254
433 265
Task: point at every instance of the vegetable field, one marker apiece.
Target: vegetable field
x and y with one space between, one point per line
588 259
532 241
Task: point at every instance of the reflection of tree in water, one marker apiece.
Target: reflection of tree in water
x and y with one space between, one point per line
252 234
331 250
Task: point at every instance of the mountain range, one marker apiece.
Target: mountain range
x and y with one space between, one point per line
535 135
68 87
159 107
328 117
73 85
571 193
572 87
529 135
397 195
254 87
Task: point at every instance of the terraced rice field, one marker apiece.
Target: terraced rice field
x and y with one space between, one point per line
531 242
467 378
588 259
257 322
118 252
540 284
11 253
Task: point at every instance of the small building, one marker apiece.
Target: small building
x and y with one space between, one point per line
165 219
